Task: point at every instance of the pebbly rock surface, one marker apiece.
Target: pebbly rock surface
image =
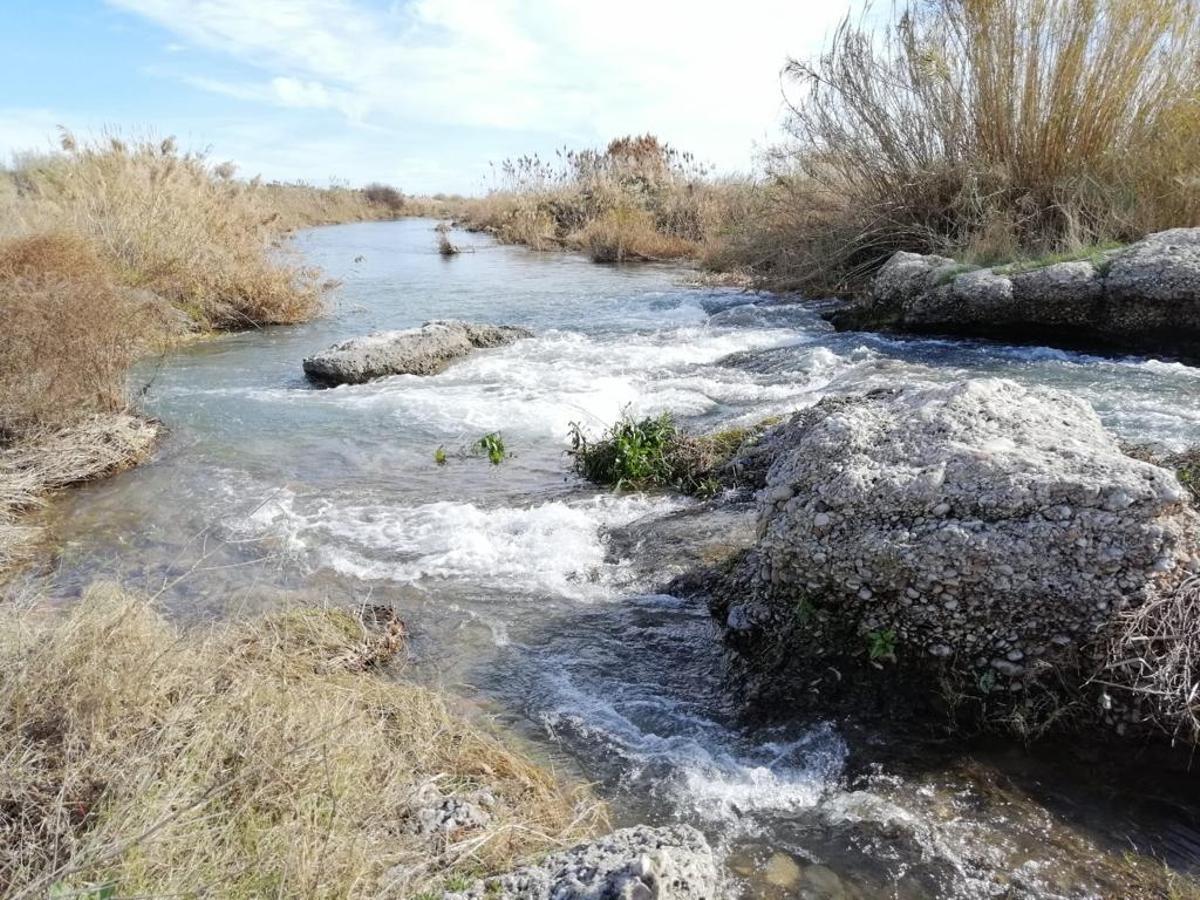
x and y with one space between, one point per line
1144 297
416 351
979 528
641 863
439 816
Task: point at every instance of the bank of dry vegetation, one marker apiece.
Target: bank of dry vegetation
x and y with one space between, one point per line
278 757
637 199
987 130
113 249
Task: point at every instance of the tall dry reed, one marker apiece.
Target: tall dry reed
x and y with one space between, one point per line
170 223
984 128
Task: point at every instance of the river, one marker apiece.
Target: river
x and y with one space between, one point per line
268 491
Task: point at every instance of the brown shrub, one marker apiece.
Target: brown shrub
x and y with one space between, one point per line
67 333
385 196
637 199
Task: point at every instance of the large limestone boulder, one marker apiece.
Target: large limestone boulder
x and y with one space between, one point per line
416 351
641 863
978 525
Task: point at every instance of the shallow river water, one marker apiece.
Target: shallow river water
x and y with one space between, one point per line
269 491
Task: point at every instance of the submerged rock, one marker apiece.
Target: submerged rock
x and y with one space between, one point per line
979 528
416 351
641 863
1144 297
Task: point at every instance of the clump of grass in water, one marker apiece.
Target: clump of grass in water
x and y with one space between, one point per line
653 453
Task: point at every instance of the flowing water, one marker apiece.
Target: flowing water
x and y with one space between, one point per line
270 491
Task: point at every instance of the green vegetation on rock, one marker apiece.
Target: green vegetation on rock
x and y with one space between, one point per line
654 453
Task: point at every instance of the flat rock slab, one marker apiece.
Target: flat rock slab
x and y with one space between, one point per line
415 351
1144 297
641 863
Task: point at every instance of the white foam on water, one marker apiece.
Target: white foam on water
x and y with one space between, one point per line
538 387
1169 369
697 766
555 548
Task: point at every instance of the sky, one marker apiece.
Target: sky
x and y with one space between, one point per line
422 94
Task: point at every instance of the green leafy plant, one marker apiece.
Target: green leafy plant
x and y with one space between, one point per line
457 883
633 452
653 452
491 445
881 644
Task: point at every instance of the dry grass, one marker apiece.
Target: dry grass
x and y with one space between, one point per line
987 129
636 199
626 233
47 459
1157 657
295 205
271 758
170 223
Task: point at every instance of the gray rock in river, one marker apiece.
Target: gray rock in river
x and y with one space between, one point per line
1144 297
980 526
641 863
416 351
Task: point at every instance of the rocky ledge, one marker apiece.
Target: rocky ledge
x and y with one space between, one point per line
641 863
416 351
984 538
1142 298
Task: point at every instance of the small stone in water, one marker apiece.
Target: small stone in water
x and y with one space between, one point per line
823 882
782 871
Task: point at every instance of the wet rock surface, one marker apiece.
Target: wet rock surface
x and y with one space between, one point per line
416 351
978 528
641 863
661 550
1141 298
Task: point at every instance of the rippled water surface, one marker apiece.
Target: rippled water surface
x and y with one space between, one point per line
268 490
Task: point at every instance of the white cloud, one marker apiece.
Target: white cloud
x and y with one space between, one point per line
703 75
294 93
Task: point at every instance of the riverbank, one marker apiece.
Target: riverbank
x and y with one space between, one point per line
113 251
278 755
45 461
1139 298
